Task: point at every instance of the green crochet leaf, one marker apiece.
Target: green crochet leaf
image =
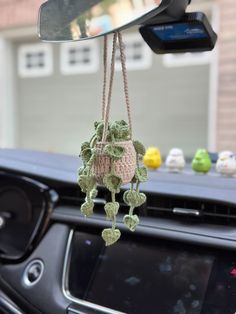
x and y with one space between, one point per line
131 222
86 155
141 174
86 183
94 193
82 181
120 130
84 146
141 199
91 183
112 183
99 130
83 171
125 197
134 198
80 171
96 124
87 208
92 158
111 236
130 198
114 151
111 209
139 148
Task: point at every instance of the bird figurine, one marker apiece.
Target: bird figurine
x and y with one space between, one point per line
201 162
226 163
175 161
152 158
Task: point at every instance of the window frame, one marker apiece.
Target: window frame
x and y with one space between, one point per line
145 63
91 67
46 70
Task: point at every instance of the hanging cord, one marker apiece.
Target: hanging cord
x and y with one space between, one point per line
106 106
125 79
104 77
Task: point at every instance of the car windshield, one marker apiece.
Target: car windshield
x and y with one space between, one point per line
51 94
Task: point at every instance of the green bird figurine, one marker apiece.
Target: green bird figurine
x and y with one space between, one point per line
201 162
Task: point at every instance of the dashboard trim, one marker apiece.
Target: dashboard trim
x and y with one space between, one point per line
6 305
65 290
75 311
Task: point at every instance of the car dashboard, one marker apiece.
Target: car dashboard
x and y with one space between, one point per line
181 259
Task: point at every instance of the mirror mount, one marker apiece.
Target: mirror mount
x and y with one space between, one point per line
173 12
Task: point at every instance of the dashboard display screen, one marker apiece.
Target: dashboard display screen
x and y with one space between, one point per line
139 277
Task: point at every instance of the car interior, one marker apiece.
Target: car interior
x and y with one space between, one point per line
181 258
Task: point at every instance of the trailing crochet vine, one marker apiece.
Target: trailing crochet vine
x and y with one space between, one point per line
118 133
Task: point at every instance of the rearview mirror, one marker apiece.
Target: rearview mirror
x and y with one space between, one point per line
70 20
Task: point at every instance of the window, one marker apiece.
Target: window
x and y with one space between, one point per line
79 58
186 59
35 60
138 54
190 59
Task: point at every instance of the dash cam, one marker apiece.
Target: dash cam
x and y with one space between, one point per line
193 33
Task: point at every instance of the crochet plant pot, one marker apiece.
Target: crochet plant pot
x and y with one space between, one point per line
111 158
123 167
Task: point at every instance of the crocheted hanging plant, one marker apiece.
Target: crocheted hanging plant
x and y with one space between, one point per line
111 158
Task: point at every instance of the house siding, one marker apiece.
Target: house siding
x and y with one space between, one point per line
15 13
56 113
226 109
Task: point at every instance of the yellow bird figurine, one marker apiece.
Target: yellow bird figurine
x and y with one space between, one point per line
152 158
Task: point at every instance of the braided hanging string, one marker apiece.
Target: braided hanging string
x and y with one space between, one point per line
106 106
104 77
125 79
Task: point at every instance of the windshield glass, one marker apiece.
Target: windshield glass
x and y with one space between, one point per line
51 94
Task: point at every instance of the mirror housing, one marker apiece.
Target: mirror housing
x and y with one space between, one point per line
74 20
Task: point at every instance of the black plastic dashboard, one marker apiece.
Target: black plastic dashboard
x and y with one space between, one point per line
172 265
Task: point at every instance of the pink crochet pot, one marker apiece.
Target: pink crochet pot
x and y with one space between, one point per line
124 168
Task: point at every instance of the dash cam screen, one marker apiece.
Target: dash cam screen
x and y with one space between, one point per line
139 277
179 31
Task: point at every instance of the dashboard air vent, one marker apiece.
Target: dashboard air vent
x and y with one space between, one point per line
203 210
159 205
